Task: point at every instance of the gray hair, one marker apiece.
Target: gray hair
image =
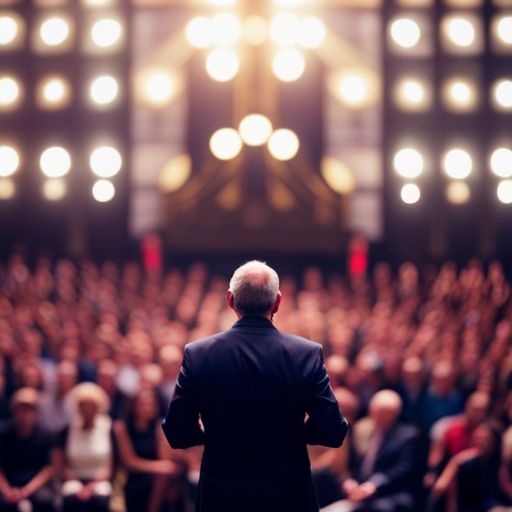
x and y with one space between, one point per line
254 287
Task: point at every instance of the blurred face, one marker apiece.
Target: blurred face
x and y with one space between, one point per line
146 407
483 439
476 408
24 416
88 410
383 414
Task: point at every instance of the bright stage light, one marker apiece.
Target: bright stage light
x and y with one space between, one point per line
54 189
55 162
504 29
458 164
460 95
284 29
255 129
222 65
9 30
54 31
9 161
353 90
225 29
458 192
503 94
175 173
311 33
337 175
405 33
501 163
461 32
226 144
410 193
199 32
408 163
221 3
105 33
460 92
255 30
289 3
9 92
104 90
7 188
283 144
505 191
103 191
289 65
412 94
105 162
159 88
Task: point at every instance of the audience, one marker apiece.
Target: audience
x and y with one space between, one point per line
87 341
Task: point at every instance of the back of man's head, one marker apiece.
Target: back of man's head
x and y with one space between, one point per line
255 287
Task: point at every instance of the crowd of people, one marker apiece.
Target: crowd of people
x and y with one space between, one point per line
420 363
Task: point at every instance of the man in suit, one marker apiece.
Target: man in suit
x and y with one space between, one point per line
244 394
383 465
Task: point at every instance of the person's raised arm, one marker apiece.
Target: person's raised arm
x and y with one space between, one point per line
181 424
325 426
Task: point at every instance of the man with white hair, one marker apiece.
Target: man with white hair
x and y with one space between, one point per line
245 394
384 461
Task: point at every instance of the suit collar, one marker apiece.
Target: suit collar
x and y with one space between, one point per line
254 321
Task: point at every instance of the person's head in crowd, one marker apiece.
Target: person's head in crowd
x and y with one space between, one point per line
30 374
67 377
487 440
385 408
88 400
392 369
141 349
24 403
150 376
337 367
106 375
32 343
169 358
348 402
70 350
413 374
443 378
144 407
476 408
254 290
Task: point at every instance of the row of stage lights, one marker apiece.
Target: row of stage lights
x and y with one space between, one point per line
55 163
458 165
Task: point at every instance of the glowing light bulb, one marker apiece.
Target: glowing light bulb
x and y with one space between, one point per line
289 65
458 192
225 29
103 191
458 164
9 161
283 144
501 163
311 33
414 91
503 93
408 163
222 65
105 162
410 193
54 189
199 32
106 32
54 31
55 162
461 32
226 144
8 30
284 29
104 90
505 29
255 129
353 90
9 91
505 191
405 32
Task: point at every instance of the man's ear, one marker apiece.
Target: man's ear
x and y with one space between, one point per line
277 303
231 300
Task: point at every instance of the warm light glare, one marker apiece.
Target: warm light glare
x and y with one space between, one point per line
414 92
104 90
9 161
353 90
222 65
54 189
160 88
284 29
337 175
503 93
221 3
7 188
105 162
54 90
311 33
225 29
461 32
255 30
458 192
106 32
54 31
408 163
103 191
458 164
175 173
410 193
289 3
55 162
9 91
505 29
255 129
289 65
460 92
406 33
199 32
8 30
226 144
501 163
283 144
505 191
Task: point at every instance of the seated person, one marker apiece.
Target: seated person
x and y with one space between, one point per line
25 465
383 465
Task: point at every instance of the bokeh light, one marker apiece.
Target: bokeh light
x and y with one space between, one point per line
105 162
501 163
405 32
9 91
221 3
105 33
222 65
408 163
7 188
353 90
104 90
289 3
255 129
337 175
505 191
225 29
199 32
175 173
460 95
55 162
103 191
458 192
410 193
53 92
458 164
9 161
461 32
159 88
255 30
289 65
226 144
504 29
54 31
311 32
503 94
412 94
9 30
284 29
54 189
283 144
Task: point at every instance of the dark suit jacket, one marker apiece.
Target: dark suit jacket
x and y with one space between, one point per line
252 386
